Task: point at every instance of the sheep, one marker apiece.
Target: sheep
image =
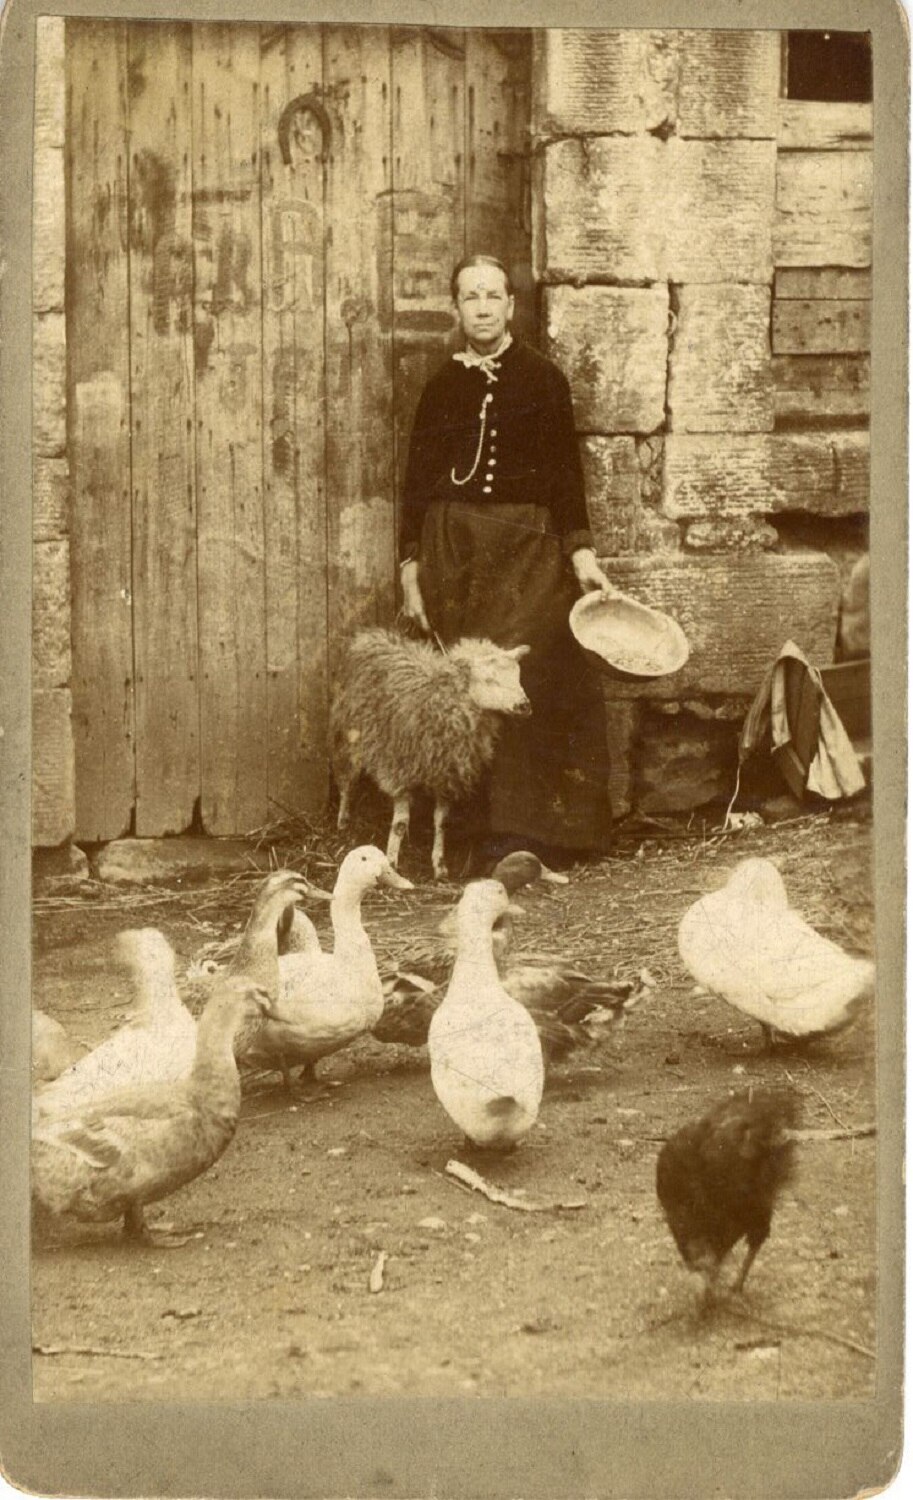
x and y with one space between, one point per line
413 718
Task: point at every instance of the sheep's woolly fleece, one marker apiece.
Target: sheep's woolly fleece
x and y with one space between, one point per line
403 714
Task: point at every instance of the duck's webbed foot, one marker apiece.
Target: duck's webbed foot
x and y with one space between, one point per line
138 1232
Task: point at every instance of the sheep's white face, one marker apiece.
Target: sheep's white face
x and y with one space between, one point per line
494 682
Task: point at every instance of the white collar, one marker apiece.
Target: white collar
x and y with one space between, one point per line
487 363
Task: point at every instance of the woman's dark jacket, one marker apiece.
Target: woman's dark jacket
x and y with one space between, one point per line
529 450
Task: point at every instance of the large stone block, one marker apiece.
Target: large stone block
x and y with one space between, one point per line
822 473
817 388
637 208
736 612
729 83
699 83
53 777
683 762
716 205
611 476
48 230
176 860
605 82
596 210
51 614
719 365
611 343
50 498
49 388
824 208
50 81
821 327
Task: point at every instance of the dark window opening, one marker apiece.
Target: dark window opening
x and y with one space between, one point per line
833 66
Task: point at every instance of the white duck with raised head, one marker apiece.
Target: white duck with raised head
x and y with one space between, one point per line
486 1057
327 999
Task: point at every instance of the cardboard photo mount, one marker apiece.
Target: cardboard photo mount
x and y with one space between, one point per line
461 1447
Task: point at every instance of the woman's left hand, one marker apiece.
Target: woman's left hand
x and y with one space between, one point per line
588 572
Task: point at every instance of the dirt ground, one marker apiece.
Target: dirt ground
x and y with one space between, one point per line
271 1296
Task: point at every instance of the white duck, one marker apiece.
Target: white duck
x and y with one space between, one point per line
327 999
486 1057
156 1044
53 1049
747 944
106 1157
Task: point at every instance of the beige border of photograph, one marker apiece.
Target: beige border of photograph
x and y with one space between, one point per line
461 1447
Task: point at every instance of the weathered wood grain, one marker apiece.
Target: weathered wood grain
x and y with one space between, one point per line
813 125
641 209
498 84
818 388
294 437
50 499
604 81
611 343
166 647
821 327
719 363
611 477
51 614
814 283
823 208
736 612
99 429
822 473
359 315
53 783
229 479
728 83
429 210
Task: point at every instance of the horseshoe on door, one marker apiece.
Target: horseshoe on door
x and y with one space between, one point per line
302 104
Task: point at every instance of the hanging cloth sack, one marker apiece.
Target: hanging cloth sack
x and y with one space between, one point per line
793 715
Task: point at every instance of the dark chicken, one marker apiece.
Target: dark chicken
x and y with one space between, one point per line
718 1178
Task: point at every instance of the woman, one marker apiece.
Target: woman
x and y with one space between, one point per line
495 542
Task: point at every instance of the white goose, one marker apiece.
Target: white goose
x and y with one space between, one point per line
747 944
486 1057
327 999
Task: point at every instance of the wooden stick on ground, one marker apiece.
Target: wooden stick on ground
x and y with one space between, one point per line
93 1350
478 1184
805 1333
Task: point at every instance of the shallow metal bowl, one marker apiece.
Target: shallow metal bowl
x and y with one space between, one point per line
627 639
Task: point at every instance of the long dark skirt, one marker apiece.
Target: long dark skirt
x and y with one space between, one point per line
497 571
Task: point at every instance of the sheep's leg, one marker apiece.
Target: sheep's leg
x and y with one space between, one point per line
399 827
345 800
441 809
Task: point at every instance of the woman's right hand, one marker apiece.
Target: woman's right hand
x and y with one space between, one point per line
413 603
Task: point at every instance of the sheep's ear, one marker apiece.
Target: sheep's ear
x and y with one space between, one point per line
519 652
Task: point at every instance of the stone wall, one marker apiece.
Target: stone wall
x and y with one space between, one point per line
53 788
682 214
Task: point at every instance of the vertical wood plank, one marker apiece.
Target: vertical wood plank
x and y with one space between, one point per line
498 90
358 331
227 337
98 428
161 358
294 438
428 210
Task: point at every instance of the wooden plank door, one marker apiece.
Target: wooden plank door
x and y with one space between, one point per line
98 436
360 503
293 151
161 362
429 205
228 394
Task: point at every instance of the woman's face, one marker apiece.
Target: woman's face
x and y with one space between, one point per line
483 306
